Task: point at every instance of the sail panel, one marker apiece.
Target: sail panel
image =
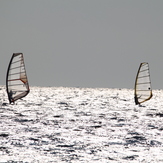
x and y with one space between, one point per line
16 79
143 90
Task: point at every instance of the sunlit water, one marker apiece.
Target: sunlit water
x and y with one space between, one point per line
78 125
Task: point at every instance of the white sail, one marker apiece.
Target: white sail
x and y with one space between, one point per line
143 90
16 80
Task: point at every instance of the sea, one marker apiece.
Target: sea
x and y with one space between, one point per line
81 125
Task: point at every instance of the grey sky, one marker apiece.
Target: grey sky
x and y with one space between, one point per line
86 43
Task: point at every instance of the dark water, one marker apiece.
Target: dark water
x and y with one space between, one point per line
81 125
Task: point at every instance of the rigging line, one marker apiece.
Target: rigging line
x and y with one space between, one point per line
18 91
17 61
144 83
145 96
144 70
144 63
17 67
143 90
143 76
10 85
17 73
16 79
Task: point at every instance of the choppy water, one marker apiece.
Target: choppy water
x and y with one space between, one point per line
53 125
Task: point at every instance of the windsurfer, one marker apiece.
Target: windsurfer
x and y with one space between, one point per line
10 96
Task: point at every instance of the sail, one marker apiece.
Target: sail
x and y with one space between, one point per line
16 80
143 90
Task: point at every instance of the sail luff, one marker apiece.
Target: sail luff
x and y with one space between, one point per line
8 71
143 90
135 96
16 79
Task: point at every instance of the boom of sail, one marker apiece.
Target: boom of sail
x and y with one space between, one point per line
143 90
17 85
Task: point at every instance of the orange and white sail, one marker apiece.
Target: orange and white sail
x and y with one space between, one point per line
17 85
143 89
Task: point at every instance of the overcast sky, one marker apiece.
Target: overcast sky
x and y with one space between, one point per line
85 43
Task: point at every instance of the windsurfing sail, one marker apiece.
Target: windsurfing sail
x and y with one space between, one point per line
143 90
17 85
